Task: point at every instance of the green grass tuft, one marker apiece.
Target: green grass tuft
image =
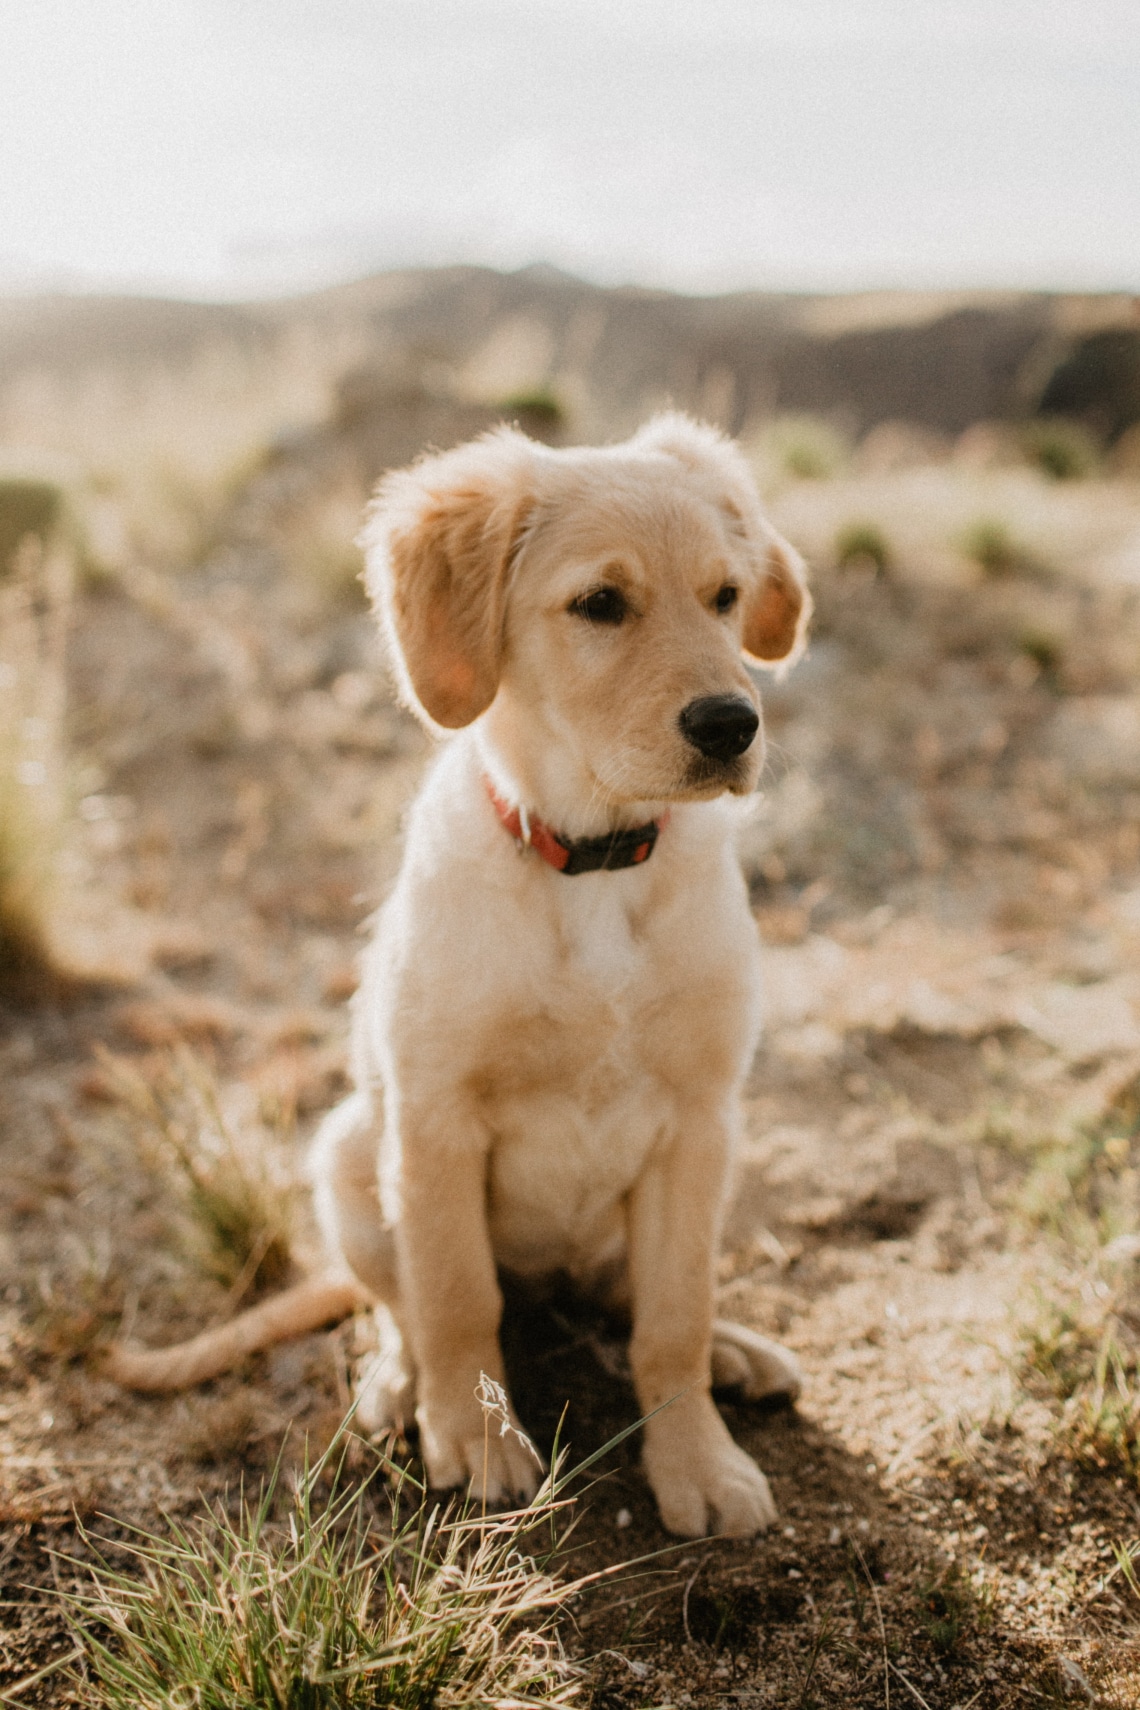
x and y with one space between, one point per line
323 1597
1046 651
538 407
863 545
1061 449
1091 1367
952 1607
28 506
1082 1346
807 448
237 1197
989 544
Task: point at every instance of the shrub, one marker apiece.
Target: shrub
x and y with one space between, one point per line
989 544
1061 449
862 545
1046 652
1099 381
539 408
807 448
27 507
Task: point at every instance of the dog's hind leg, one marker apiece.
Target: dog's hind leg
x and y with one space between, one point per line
344 1167
385 1381
757 1369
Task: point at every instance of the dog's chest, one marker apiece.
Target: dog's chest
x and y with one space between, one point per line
571 1087
578 1018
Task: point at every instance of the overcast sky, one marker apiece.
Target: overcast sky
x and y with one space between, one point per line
222 147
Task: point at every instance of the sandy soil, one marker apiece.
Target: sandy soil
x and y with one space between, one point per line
945 869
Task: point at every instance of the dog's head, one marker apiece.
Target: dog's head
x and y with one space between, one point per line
596 605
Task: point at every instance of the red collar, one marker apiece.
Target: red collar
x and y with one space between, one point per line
576 855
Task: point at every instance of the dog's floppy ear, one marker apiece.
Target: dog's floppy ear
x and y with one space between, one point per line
439 543
778 608
777 605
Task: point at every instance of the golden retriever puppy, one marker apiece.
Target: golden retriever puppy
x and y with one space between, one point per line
560 1000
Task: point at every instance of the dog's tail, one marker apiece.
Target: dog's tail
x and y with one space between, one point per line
308 1306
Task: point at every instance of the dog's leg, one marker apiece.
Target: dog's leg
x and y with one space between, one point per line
344 1166
452 1305
698 1473
757 1369
386 1381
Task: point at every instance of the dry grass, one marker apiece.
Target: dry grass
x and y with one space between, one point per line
930 515
80 1300
335 1593
318 541
159 450
1081 1350
234 1189
1082 1344
802 448
35 586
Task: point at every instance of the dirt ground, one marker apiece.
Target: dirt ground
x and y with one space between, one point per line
937 1202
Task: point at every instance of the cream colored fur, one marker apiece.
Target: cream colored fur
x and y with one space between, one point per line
548 1067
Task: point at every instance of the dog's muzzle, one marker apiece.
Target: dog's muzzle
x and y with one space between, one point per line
721 727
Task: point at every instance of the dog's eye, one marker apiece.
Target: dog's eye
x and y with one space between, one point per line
726 598
601 605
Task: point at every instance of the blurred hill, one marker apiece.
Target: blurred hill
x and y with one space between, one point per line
941 361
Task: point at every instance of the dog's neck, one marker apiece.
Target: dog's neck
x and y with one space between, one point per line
553 787
609 853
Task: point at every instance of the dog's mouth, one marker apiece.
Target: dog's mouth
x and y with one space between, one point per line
705 777
640 781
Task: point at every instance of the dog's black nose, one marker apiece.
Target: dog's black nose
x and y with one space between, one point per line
721 726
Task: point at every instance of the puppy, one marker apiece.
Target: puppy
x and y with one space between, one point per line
559 1003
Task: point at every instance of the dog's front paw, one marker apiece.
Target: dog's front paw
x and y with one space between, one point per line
464 1445
702 1480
